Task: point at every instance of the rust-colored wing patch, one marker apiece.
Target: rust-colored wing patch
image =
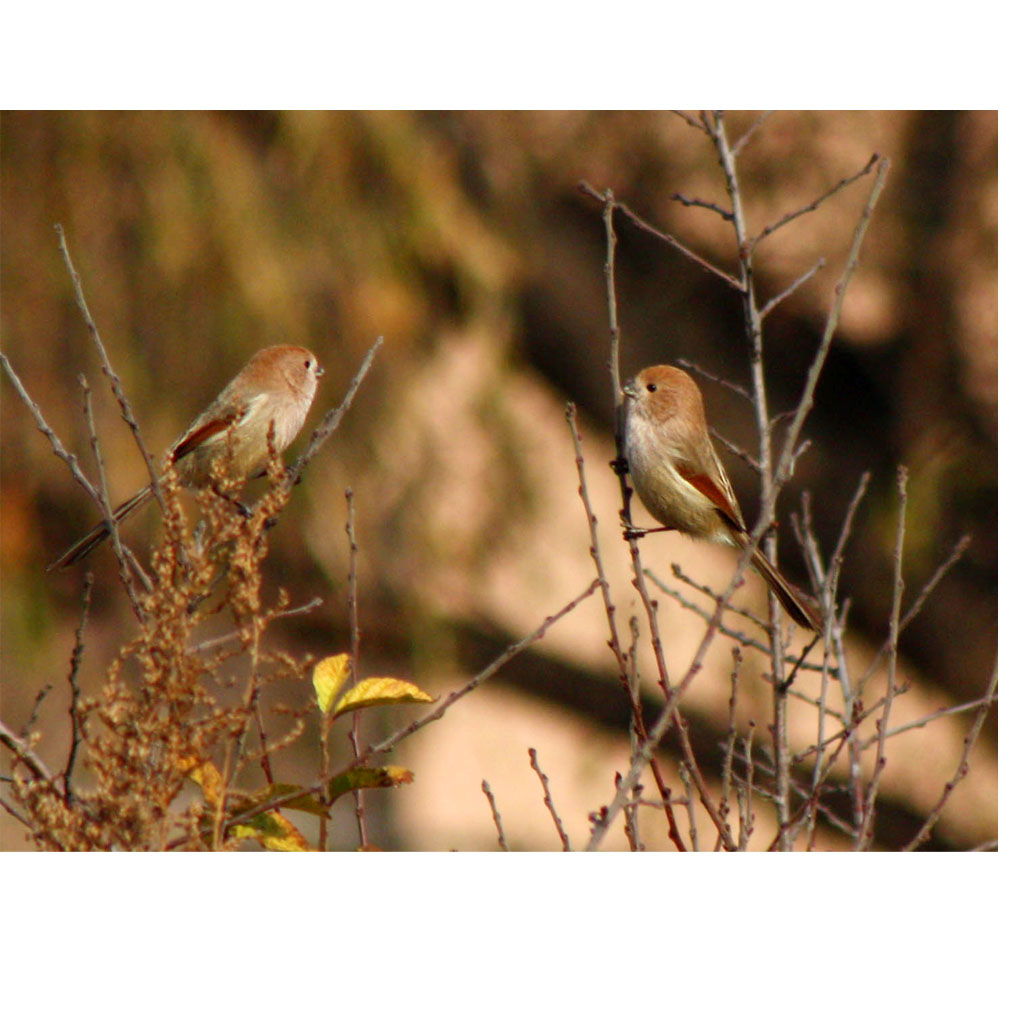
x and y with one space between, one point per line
200 434
714 494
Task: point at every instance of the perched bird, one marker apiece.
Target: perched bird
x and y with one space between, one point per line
275 387
678 476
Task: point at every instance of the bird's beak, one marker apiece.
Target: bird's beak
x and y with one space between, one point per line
629 389
319 371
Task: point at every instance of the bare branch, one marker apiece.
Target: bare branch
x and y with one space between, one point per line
845 530
787 291
332 420
548 802
814 370
969 740
738 147
359 797
692 121
730 737
485 786
669 716
958 551
838 187
115 382
731 385
951 559
21 749
613 313
495 666
866 832
71 461
744 456
76 692
123 568
284 613
644 225
704 204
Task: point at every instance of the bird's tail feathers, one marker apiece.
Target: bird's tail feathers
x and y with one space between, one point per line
799 606
99 533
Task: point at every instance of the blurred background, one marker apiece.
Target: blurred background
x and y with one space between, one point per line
464 240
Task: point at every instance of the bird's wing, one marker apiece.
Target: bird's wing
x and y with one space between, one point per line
202 432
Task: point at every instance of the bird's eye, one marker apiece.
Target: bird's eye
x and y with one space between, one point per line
652 388
308 364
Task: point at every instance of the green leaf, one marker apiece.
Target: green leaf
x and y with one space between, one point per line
369 778
339 785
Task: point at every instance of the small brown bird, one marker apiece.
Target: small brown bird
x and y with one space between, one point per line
678 476
276 386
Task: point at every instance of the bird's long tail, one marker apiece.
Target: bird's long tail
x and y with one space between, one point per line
796 604
99 533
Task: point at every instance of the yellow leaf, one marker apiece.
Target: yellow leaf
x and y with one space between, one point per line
373 692
272 831
329 678
207 778
397 776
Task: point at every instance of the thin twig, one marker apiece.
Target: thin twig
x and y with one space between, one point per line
637 734
867 828
846 529
958 551
485 786
115 382
951 559
639 222
76 692
331 421
283 613
669 716
25 755
353 610
510 652
71 461
688 364
730 737
861 714
828 583
16 814
746 804
37 705
738 147
814 204
692 121
920 723
691 810
707 591
814 370
703 204
548 802
611 239
123 568
792 287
